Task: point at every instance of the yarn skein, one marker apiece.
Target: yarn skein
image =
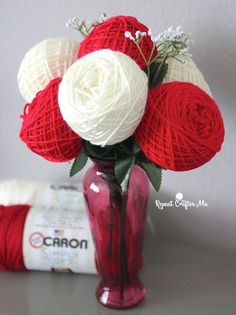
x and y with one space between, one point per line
17 240
12 220
185 70
102 97
182 127
42 63
19 192
43 129
110 35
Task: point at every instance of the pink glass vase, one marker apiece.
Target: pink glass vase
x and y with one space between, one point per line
117 223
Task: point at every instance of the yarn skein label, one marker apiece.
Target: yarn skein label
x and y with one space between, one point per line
57 235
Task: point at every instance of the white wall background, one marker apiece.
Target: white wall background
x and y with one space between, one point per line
23 23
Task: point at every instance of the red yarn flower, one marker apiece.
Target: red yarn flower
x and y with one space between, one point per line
182 127
111 35
43 129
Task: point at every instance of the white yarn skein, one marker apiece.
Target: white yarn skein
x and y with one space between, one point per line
102 96
42 63
185 72
18 191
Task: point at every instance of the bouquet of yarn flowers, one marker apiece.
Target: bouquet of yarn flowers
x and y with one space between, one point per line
135 104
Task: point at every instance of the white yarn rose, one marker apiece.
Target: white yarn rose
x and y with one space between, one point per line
42 63
185 72
102 96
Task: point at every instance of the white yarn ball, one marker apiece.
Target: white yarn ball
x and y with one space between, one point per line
42 63
102 96
185 72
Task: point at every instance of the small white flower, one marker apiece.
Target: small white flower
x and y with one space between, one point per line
178 28
137 34
84 26
156 39
103 17
149 33
129 35
74 19
68 23
75 23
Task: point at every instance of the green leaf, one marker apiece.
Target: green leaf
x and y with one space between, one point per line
159 74
141 157
120 150
125 182
123 168
154 174
122 147
96 151
136 148
153 69
129 146
112 155
79 163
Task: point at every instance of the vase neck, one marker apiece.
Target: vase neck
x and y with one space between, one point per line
104 165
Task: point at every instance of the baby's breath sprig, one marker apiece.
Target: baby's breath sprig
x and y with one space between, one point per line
170 44
84 27
173 42
138 36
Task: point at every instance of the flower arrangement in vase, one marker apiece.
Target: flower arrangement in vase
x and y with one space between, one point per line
134 104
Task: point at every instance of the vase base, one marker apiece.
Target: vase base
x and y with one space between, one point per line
111 297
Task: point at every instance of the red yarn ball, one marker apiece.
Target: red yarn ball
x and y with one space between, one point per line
43 129
182 127
111 35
